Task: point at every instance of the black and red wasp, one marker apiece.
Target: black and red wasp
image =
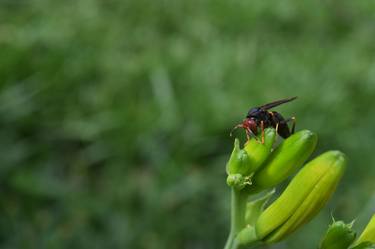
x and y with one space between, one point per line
263 118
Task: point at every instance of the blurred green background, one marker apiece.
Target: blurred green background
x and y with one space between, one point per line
115 115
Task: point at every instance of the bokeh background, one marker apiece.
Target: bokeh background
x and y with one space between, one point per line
115 115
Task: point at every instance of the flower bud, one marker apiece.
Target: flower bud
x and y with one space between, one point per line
339 236
246 161
239 162
285 160
259 152
305 195
368 235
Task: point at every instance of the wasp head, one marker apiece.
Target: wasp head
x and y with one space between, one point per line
250 126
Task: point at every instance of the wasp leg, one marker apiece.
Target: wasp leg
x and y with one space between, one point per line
293 120
262 127
250 133
293 124
277 123
276 129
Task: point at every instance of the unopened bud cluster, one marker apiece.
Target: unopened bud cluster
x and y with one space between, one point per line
259 166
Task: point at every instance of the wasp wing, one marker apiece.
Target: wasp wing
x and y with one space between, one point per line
276 103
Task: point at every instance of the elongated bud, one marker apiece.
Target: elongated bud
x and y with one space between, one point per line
368 235
285 160
305 195
338 236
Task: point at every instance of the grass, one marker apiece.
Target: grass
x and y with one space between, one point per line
115 115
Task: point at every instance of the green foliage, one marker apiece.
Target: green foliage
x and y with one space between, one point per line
115 115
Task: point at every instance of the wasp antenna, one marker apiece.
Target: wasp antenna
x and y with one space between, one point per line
234 128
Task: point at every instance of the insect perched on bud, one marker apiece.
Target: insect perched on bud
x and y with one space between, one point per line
261 117
244 162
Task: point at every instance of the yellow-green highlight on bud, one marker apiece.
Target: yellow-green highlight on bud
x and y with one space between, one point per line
246 161
368 234
338 236
303 198
285 160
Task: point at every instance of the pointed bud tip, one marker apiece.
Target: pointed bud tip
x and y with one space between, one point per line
338 157
305 134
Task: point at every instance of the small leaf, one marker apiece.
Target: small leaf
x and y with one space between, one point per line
256 207
338 236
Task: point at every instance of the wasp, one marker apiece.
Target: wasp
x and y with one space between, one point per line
262 117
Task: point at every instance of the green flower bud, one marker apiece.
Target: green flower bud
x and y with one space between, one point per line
305 195
368 235
259 152
339 236
285 160
239 162
246 161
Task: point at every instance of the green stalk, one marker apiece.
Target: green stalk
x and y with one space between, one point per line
238 210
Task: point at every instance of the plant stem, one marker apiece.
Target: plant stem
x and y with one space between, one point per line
238 210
